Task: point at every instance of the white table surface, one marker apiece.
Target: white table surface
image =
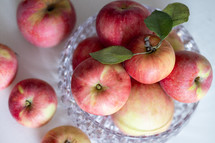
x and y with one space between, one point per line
42 64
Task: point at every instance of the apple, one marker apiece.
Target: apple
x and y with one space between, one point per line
148 111
151 67
32 102
98 88
190 79
46 23
88 45
65 134
175 41
8 66
120 21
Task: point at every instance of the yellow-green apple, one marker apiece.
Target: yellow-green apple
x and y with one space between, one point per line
190 79
175 41
65 134
45 23
88 45
120 21
148 110
100 89
8 66
32 102
151 67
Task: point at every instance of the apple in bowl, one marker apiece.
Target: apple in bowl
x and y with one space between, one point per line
46 23
8 66
65 134
118 22
190 79
86 46
32 102
148 110
98 88
152 66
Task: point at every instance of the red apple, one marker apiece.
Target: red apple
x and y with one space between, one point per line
46 23
65 134
32 102
88 45
100 89
175 41
152 67
8 66
148 111
120 21
190 79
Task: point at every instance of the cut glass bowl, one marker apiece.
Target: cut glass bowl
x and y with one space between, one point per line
101 129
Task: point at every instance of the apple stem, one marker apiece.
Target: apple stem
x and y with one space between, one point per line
197 80
50 8
124 6
66 141
27 103
73 141
149 48
141 53
98 86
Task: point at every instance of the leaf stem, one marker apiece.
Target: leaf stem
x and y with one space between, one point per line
141 53
149 48
158 45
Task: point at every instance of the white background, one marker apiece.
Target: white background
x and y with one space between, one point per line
42 64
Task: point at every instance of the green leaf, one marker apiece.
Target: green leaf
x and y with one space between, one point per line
178 12
112 55
160 23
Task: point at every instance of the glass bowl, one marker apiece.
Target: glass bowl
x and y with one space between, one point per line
101 129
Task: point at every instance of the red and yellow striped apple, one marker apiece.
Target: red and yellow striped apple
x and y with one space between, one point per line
32 102
148 110
120 21
100 89
88 45
151 67
8 66
190 79
65 134
45 23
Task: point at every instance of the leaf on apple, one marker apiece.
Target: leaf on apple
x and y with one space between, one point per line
160 23
178 12
112 55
